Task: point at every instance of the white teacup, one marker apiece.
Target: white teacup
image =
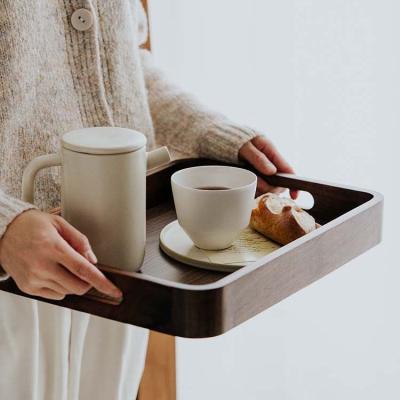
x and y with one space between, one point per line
213 203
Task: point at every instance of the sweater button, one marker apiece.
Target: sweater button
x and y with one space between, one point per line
82 19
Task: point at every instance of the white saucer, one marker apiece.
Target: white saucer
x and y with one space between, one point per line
249 247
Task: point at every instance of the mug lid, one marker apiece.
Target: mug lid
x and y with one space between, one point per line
103 140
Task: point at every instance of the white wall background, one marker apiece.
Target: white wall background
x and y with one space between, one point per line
321 78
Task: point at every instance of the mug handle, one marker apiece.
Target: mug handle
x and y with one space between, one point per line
158 157
28 178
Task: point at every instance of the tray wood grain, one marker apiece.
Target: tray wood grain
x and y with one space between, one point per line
179 300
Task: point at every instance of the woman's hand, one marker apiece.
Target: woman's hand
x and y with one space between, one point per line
48 257
265 158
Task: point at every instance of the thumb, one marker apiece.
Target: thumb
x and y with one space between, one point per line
77 240
257 159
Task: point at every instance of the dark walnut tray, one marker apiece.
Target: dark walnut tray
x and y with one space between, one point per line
179 300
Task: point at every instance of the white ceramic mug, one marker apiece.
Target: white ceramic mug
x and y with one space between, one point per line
103 189
213 218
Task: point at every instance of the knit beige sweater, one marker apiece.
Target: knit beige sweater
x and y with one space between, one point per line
55 78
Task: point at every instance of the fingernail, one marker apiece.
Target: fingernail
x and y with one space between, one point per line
91 256
116 293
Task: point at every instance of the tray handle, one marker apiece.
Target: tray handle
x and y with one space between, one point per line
330 201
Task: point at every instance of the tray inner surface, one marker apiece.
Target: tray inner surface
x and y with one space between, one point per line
330 203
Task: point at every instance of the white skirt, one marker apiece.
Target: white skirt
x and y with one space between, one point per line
48 352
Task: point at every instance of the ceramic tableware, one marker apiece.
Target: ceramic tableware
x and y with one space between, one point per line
213 203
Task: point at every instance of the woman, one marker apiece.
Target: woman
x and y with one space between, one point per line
65 65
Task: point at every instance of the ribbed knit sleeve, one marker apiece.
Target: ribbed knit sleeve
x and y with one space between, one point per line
185 125
180 121
10 208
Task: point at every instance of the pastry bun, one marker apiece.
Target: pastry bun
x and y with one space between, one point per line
280 219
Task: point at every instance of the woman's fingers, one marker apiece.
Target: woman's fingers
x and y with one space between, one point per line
66 282
76 239
84 270
258 153
264 187
49 294
81 274
257 159
32 249
56 287
56 281
268 148
294 194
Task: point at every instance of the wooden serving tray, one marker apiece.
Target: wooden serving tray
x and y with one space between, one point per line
179 300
